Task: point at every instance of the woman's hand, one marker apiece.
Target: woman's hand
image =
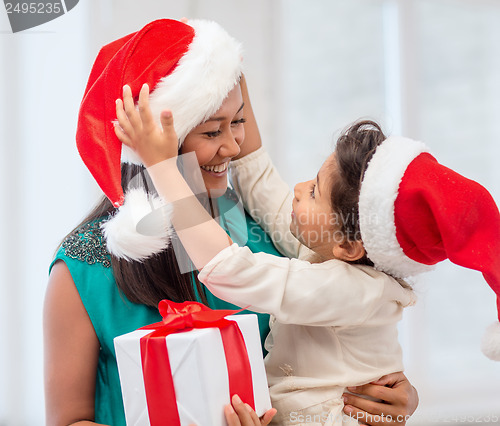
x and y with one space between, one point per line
399 401
241 414
138 130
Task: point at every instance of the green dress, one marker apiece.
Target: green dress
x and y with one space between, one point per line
112 314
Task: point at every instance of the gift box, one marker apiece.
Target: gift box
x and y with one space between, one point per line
185 369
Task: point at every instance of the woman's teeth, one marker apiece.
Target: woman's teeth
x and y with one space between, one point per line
218 168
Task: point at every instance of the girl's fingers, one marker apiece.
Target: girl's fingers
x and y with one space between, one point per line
122 137
129 106
123 120
167 123
144 110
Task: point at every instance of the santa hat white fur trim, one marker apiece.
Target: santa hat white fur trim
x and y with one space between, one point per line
197 87
490 344
122 238
379 190
129 156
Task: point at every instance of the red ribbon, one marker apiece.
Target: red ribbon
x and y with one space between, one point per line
158 381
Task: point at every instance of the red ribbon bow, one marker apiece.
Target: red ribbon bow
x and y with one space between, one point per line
158 381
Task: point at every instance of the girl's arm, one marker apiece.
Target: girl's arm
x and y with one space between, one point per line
71 352
200 234
267 283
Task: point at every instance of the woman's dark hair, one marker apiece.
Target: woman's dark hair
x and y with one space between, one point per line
155 278
355 148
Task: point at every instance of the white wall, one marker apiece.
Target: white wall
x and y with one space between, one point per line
430 69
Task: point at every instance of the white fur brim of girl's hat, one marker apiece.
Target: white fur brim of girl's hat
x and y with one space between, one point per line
415 212
191 68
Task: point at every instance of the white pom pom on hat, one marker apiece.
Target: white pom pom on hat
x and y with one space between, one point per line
490 344
122 237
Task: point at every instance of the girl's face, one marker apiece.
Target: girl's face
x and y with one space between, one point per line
216 141
314 223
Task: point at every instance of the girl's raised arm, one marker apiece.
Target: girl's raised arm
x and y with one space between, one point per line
199 233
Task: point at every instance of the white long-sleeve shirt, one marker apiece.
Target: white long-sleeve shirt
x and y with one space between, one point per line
334 323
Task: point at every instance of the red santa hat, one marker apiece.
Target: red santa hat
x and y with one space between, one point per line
191 67
415 212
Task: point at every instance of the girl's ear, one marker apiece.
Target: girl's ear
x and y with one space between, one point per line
349 251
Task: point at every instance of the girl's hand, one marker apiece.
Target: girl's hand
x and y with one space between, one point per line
399 401
241 414
139 131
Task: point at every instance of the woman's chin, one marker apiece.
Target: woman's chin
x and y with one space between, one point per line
215 183
216 192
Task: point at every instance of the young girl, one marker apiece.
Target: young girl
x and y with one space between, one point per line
375 202
336 320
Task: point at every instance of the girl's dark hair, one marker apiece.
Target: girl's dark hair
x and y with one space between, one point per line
155 278
355 148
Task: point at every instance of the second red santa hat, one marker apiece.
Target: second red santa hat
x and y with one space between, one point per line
415 212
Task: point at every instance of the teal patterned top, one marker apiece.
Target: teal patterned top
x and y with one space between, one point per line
112 314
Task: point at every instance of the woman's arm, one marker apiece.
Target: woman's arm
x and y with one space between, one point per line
399 401
266 197
71 352
252 141
200 234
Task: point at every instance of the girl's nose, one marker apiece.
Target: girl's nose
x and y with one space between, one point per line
297 190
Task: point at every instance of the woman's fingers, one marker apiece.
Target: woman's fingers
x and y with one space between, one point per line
374 391
243 412
393 410
232 418
253 415
363 404
268 416
391 380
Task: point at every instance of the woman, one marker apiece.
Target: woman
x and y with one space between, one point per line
106 281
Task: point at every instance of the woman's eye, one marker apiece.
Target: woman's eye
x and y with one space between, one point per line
240 121
313 195
212 134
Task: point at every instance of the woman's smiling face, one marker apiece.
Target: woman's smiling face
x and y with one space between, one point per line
217 141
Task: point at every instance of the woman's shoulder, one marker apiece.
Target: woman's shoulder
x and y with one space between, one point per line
86 244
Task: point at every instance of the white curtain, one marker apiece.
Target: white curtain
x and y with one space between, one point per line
427 68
